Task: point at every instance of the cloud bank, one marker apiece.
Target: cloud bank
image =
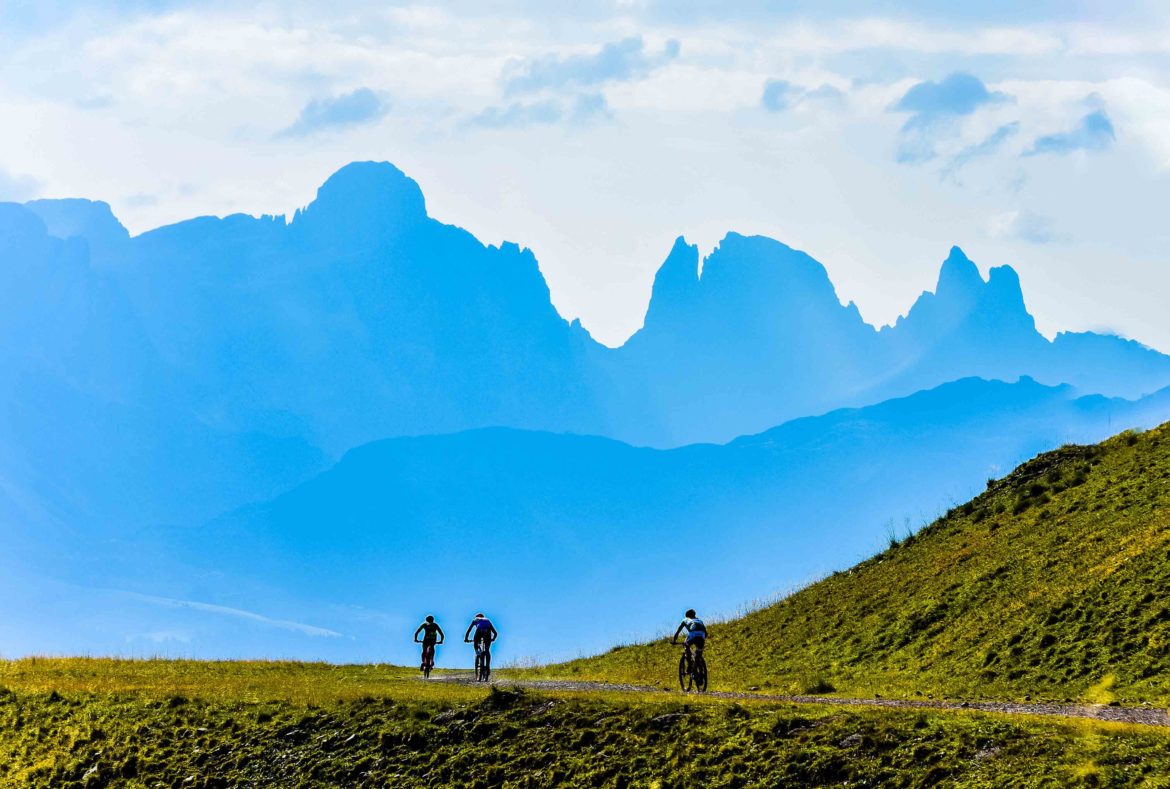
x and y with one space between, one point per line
618 61
1093 133
356 108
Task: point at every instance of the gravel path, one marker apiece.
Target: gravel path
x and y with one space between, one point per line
1146 716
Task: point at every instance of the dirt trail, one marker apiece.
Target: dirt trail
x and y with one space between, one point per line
1146 716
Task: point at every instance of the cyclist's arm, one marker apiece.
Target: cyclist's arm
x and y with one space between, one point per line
442 635
679 629
495 635
467 635
416 632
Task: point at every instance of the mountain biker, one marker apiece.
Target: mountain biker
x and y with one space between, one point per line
696 632
432 635
485 634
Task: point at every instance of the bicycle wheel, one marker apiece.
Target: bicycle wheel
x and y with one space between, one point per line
487 665
700 673
684 673
478 666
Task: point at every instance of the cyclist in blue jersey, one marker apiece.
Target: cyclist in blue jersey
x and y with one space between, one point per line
696 632
485 634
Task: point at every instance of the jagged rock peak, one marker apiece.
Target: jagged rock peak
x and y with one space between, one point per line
958 275
675 283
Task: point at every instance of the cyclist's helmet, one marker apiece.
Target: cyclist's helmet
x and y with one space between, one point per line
690 613
430 619
479 616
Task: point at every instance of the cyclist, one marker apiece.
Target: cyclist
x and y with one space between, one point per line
432 635
485 634
696 632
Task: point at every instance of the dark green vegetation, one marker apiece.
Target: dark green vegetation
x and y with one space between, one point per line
83 723
1054 583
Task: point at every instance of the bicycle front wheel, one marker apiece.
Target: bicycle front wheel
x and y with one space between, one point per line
684 673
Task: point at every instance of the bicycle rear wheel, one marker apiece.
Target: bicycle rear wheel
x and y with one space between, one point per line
684 673
487 665
700 673
428 660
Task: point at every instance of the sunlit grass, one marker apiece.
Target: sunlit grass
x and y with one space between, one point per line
1055 578
93 723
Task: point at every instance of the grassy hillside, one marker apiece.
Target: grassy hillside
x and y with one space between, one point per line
87 723
1054 583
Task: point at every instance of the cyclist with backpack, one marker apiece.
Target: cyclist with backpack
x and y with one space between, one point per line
696 631
432 635
485 634
692 668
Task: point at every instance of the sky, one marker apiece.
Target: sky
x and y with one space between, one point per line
873 135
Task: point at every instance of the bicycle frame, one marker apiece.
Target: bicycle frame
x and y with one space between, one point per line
691 658
483 659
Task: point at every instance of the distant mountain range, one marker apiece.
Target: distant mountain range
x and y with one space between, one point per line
244 340
551 532
158 381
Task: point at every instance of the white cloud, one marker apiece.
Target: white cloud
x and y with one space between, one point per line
17 188
238 613
1142 109
617 61
342 111
1024 225
685 146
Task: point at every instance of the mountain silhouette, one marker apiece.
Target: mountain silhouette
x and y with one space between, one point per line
362 317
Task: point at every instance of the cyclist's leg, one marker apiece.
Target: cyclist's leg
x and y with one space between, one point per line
480 656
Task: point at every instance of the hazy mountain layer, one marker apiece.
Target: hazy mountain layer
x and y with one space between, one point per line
553 533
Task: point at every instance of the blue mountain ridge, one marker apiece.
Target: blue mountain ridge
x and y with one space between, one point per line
551 532
437 332
152 383
363 318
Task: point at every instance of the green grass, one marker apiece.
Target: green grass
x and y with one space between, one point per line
235 680
1052 584
93 723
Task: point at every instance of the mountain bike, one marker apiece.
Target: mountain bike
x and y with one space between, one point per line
428 659
692 670
483 661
